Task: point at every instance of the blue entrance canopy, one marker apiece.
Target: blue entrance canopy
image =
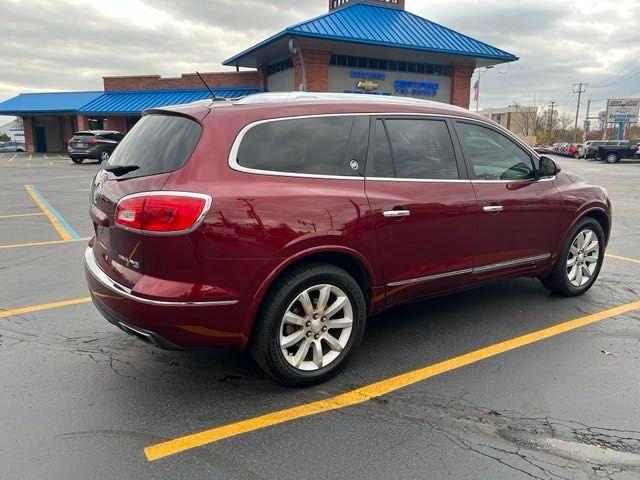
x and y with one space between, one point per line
368 24
111 102
47 103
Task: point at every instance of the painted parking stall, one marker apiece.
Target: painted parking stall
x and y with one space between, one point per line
457 373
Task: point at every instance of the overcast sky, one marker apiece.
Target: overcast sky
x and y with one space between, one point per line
71 44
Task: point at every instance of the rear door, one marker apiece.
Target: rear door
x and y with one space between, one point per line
423 206
520 216
157 146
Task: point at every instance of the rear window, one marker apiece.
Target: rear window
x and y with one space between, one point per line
316 146
157 144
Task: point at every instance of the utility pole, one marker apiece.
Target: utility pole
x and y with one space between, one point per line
550 126
586 122
580 90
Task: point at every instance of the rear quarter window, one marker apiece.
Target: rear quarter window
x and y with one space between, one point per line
157 144
315 146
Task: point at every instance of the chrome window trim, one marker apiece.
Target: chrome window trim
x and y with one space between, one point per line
235 147
207 198
422 180
126 292
484 268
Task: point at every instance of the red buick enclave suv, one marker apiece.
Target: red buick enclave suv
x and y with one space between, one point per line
280 222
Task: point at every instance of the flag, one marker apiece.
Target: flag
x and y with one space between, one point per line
476 91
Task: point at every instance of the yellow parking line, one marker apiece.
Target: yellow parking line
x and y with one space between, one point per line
363 394
45 306
45 157
15 215
37 244
626 259
61 226
30 156
60 156
14 156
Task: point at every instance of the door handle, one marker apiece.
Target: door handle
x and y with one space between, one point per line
493 208
396 213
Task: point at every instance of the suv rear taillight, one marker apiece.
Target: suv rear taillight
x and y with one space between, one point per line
93 141
162 212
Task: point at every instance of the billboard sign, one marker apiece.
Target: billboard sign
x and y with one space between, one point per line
623 110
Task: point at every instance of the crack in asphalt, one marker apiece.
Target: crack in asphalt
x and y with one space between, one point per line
537 447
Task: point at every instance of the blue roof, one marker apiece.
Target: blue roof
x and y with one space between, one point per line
58 102
136 101
384 26
112 102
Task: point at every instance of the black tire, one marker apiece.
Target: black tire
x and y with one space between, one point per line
265 345
612 157
77 160
558 281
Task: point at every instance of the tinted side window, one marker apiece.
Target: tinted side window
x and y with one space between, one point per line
422 149
317 146
492 155
380 163
157 144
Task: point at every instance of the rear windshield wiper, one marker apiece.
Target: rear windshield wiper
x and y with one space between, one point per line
119 170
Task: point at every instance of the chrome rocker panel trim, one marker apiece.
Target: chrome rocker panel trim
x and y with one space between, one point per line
120 289
482 269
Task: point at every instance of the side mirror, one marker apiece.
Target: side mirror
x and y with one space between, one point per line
547 167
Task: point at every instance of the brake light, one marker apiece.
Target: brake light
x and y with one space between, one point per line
93 141
162 212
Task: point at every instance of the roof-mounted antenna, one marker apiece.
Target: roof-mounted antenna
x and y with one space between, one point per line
213 95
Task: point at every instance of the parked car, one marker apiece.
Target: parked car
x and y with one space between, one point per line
280 222
589 148
96 144
543 149
574 149
612 152
12 146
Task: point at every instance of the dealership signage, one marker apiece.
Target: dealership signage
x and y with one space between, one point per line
370 82
623 110
409 87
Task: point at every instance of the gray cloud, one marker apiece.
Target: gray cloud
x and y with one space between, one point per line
71 44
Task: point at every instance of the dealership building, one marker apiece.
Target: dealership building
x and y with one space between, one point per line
372 47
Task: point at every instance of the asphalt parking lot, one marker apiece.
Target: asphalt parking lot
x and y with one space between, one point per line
503 382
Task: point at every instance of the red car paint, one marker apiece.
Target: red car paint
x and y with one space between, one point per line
204 288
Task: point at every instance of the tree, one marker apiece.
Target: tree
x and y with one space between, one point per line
4 137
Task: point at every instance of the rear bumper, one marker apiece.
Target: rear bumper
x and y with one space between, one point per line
165 323
91 153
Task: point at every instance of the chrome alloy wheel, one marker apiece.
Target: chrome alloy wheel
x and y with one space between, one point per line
316 327
104 157
583 257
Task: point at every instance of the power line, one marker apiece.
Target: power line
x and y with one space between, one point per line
580 90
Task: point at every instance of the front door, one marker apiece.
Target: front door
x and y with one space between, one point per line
520 215
41 139
424 209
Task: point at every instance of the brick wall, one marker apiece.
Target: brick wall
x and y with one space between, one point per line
340 3
27 123
461 85
83 123
67 129
251 78
116 123
316 64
